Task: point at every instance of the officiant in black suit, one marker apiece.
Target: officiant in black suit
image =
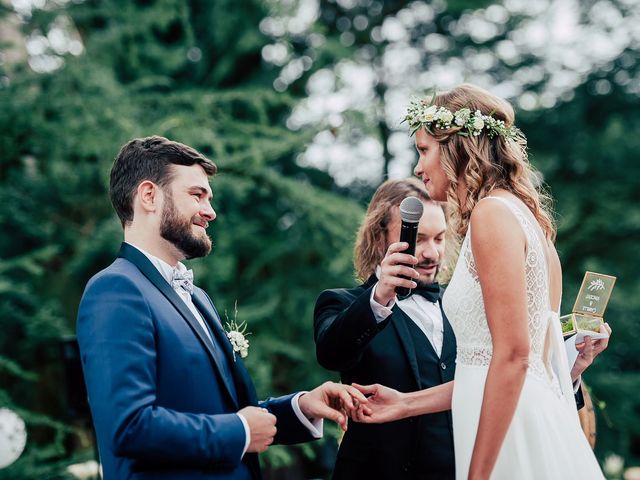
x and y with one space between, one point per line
370 336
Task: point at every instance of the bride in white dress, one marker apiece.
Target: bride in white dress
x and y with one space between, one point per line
514 414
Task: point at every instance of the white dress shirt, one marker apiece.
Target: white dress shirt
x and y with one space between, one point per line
315 426
166 271
425 314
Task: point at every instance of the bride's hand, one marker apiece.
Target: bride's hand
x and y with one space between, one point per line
384 404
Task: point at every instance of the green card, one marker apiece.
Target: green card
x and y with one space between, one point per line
594 294
586 317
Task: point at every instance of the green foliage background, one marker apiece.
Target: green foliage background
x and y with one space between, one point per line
283 233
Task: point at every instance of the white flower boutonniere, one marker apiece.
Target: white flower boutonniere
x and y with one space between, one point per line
237 334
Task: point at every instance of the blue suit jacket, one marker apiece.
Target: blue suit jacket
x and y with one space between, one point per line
162 396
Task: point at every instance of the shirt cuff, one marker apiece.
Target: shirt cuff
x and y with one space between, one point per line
314 425
247 434
380 312
576 384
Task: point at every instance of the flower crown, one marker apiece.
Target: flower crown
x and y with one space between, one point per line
422 113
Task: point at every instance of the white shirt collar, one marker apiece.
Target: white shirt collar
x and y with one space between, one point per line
163 267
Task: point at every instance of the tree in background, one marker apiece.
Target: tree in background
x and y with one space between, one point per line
100 73
299 103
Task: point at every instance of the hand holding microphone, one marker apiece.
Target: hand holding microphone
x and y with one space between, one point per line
411 210
397 275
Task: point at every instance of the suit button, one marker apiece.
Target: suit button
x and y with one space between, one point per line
443 366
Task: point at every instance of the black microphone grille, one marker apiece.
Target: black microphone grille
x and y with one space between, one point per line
411 210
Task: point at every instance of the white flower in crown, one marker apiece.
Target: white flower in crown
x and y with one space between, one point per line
478 122
237 334
428 115
462 116
445 116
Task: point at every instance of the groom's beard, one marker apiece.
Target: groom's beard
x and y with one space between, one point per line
424 281
178 231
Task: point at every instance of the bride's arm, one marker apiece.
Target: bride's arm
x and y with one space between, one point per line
499 245
386 404
429 400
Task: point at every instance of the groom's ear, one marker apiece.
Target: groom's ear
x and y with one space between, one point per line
148 197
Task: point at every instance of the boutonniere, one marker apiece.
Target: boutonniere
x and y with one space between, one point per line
237 334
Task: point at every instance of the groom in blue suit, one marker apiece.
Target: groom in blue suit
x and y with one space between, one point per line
169 396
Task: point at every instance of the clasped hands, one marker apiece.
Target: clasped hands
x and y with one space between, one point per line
362 403
333 401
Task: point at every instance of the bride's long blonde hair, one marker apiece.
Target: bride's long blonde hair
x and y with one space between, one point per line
486 164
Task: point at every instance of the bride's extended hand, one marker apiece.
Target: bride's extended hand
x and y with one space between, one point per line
384 404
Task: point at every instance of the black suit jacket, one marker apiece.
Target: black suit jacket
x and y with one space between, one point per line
350 341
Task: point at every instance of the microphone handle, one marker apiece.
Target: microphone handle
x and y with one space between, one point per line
409 234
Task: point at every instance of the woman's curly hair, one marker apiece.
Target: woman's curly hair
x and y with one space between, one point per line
486 164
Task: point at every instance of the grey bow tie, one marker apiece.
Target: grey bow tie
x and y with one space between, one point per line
182 279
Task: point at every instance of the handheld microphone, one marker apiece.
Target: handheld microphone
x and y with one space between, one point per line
410 213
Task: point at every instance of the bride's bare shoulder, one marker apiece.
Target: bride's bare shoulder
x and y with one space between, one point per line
492 218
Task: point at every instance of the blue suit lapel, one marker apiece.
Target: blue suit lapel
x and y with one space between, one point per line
244 385
211 316
136 257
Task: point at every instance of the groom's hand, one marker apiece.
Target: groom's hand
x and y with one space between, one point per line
331 400
262 426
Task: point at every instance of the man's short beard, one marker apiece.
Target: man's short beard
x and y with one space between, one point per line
435 276
177 231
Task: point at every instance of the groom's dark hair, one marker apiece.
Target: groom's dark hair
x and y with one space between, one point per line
150 159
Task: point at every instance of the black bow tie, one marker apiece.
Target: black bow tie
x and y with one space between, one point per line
431 292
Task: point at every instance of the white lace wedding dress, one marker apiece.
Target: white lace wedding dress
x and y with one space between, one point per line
544 440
